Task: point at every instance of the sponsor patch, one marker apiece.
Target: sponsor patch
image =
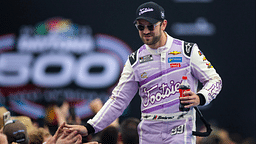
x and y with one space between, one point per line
204 59
188 48
133 57
174 59
162 117
146 58
173 65
174 53
209 65
200 53
144 75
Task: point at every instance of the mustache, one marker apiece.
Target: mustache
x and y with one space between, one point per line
149 34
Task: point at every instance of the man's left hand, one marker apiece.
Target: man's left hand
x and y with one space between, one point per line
190 99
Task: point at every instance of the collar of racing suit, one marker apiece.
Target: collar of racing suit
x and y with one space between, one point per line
164 48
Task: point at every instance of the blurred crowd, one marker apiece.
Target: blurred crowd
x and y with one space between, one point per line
51 129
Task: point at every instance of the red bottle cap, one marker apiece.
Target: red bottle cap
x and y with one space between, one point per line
184 77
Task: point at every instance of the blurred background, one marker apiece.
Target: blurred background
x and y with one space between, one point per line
74 51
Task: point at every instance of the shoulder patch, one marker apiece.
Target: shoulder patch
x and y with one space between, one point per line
188 48
133 57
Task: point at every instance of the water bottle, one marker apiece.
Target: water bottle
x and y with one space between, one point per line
184 86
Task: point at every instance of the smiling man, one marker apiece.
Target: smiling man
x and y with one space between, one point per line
156 70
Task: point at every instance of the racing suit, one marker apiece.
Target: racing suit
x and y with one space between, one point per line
157 74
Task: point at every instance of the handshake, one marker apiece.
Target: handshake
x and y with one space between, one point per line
67 134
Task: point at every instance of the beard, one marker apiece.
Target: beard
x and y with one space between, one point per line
152 41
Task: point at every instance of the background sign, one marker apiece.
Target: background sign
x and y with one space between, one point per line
55 59
51 49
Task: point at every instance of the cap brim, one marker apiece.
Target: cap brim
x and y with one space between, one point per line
151 20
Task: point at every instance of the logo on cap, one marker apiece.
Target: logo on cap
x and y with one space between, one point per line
144 10
162 14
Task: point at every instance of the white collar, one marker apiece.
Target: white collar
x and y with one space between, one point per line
161 49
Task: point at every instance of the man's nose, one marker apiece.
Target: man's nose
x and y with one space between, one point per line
146 30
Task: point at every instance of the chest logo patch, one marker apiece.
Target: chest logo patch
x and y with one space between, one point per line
144 75
146 58
174 53
173 65
174 59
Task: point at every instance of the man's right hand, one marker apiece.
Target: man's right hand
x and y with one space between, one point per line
79 128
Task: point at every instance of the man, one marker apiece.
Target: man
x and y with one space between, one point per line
156 70
16 131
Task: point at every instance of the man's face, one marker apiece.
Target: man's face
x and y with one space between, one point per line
149 37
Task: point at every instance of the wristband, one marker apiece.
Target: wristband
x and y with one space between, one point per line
89 128
202 99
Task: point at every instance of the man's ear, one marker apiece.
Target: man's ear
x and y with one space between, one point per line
164 24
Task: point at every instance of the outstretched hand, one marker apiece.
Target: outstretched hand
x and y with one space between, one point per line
69 138
57 134
190 99
79 128
68 134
